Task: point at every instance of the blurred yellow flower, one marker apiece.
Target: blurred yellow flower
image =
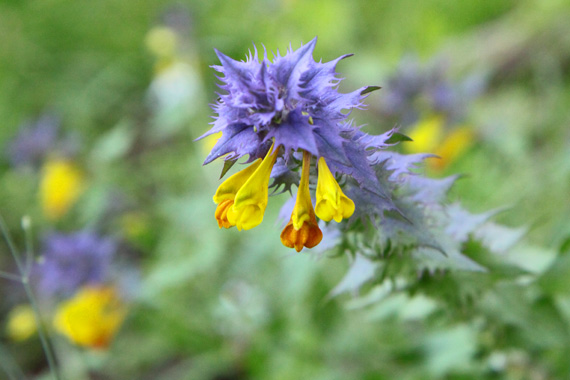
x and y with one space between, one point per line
426 134
429 135
92 317
454 145
21 323
61 184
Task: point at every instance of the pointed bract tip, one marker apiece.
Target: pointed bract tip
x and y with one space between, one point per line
369 89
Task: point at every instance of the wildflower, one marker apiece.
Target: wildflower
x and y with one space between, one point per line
331 201
428 135
278 111
61 185
453 146
251 199
92 317
21 323
34 141
70 261
302 229
226 193
429 106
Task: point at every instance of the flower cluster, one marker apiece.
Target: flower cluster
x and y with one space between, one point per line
34 141
70 261
40 144
287 116
431 108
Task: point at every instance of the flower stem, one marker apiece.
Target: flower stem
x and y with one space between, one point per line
23 268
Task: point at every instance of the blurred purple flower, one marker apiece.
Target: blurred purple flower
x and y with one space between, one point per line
70 261
414 91
34 141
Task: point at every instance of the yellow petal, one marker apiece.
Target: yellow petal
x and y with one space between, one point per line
229 188
331 201
251 199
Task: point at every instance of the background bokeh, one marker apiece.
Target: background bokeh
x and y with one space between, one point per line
121 89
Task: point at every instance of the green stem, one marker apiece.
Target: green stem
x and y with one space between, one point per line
24 272
42 331
11 246
10 276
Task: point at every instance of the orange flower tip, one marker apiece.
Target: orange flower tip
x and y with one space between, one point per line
309 236
222 213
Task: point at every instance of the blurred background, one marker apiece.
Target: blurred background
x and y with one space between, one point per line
101 179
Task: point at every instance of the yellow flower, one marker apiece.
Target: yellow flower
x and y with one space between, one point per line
226 193
302 229
453 146
61 184
21 323
91 318
331 201
251 199
426 134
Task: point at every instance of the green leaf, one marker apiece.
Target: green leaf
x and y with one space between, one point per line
227 166
398 137
565 246
369 89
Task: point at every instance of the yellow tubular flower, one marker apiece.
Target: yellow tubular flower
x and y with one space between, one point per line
61 184
226 193
91 318
331 201
251 199
302 229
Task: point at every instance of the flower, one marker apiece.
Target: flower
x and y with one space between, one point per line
428 135
21 323
34 141
278 111
227 191
92 317
430 106
61 185
302 229
251 199
331 201
70 261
